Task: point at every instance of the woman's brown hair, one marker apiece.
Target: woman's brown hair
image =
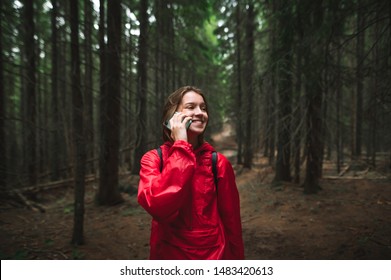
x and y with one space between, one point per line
172 104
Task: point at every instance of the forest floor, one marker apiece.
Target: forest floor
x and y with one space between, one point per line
350 218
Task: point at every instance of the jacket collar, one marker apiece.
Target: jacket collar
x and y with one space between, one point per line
205 147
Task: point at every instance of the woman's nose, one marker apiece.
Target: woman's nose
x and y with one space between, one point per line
197 111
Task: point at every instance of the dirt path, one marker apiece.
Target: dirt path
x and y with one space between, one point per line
348 219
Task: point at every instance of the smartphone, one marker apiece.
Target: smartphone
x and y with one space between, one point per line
167 123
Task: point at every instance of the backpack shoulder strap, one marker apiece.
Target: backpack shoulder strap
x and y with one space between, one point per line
214 167
159 152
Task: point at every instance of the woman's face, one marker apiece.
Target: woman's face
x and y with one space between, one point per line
193 105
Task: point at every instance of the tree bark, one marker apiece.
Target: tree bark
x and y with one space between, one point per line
271 93
314 96
141 133
284 65
249 58
360 55
88 83
55 136
3 149
78 127
162 50
108 193
30 93
239 94
375 92
338 136
297 134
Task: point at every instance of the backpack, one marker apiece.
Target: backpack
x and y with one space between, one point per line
214 164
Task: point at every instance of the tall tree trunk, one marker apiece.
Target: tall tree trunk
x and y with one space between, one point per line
159 6
324 107
239 94
389 62
79 158
168 48
141 133
108 193
63 89
249 54
3 149
102 95
376 90
127 127
29 48
162 57
165 52
43 116
55 136
271 93
297 99
360 79
338 135
88 84
284 45
337 20
313 97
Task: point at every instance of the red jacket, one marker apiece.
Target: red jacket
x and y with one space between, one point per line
190 220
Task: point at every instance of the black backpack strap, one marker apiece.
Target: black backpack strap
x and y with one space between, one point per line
214 167
159 152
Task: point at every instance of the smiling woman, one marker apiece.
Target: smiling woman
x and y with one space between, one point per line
190 219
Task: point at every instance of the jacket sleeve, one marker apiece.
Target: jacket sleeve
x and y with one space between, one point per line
229 209
162 194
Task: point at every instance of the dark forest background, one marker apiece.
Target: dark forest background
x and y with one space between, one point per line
82 84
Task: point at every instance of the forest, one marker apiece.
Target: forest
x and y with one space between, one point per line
299 93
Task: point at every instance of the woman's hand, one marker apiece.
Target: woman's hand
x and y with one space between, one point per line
178 126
